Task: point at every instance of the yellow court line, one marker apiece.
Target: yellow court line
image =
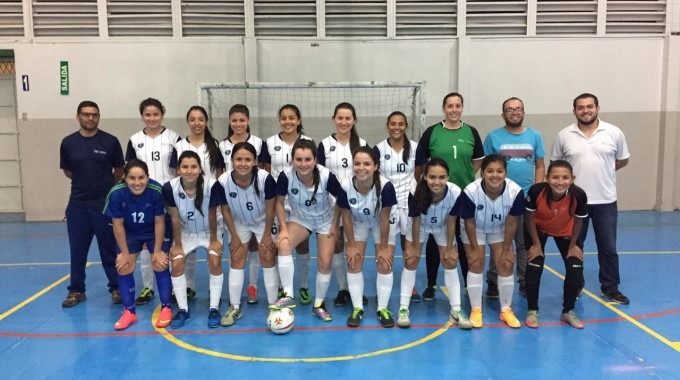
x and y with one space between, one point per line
608 305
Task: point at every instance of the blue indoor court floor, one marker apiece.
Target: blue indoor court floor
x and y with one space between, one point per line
39 339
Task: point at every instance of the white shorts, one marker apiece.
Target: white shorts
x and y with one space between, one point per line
440 235
323 229
246 232
399 220
483 238
192 241
361 232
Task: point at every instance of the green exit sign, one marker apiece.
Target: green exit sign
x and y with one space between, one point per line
64 78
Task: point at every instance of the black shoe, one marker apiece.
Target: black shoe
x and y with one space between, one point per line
144 297
342 297
115 297
616 296
191 294
364 300
355 318
385 318
428 293
491 290
73 298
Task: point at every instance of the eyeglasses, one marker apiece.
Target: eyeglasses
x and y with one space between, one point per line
511 111
88 115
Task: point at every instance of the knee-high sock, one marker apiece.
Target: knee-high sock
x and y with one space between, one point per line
474 285
126 285
408 281
453 285
506 286
303 269
253 267
236 277
216 290
355 285
145 269
287 273
164 287
338 265
533 281
322 283
179 286
383 286
271 283
190 270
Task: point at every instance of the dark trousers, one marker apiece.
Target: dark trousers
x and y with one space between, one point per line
604 218
573 279
83 224
432 258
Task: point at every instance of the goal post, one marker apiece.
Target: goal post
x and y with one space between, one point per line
373 102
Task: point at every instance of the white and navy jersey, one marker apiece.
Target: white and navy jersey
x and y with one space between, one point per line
400 173
226 146
438 213
138 212
310 208
278 154
247 207
336 157
490 214
202 152
192 220
362 206
156 152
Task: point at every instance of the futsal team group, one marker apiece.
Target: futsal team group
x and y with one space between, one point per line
259 200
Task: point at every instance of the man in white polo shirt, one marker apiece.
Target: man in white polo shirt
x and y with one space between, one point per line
596 150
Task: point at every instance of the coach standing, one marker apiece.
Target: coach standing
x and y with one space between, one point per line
93 160
596 150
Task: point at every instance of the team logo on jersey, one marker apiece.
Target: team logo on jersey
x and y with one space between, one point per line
387 157
140 145
182 196
227 152
480 207
277 148
333 149
294 191
232 194
353 201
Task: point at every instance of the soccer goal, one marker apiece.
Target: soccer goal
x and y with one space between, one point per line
373 102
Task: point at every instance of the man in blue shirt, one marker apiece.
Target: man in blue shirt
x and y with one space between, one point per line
93 160
522 148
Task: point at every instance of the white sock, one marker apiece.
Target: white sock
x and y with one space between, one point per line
236 277
322 283
453 285
271 283
179 285
383 286
355 284
303 270
474 285
408 282
216 290
506 287
286 273
253 267
338 266
190 270
148 276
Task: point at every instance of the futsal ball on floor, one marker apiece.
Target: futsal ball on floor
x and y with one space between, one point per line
281 321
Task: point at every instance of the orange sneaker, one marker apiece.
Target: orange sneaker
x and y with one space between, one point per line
476 317
509 318
125 320
164 318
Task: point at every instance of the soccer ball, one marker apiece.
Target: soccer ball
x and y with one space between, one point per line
281 321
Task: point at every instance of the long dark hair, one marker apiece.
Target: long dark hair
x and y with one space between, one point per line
548 191
301 144
376 173
423 194
406 152
208 139
198 199
353 135
250 148
296 110
237 108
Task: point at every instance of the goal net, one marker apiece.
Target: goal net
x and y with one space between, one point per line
373 102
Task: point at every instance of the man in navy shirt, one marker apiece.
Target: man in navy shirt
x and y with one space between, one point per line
93 160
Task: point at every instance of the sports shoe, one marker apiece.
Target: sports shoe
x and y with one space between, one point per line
164 318
213 318
73 298
616 296
252 294
231 316
125 320
283 302
385 317
532 319
180 318
144 297
305 298
115 297
281 293
428 293
403 319
342 298
572 319
354 319
191 294
322 313
415 297
461 319
509 318
476 317
364 300
491 290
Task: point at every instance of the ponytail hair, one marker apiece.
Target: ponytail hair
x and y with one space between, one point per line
250 148
302 144
376 174
353 135
406 152
237 108
570 193
423 194
296 110
198 199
